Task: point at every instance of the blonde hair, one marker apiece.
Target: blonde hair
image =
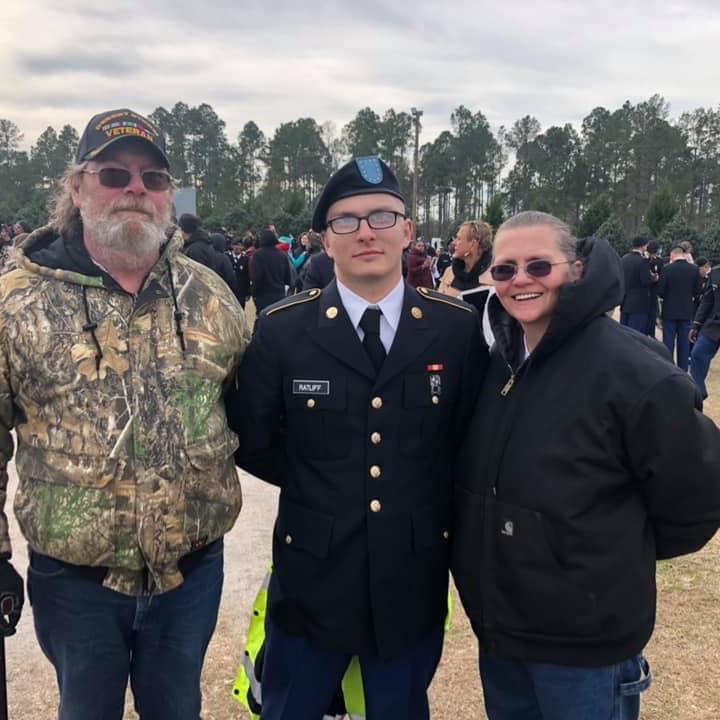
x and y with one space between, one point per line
481 232
64 216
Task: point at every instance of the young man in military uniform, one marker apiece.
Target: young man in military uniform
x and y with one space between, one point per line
344 390
115 350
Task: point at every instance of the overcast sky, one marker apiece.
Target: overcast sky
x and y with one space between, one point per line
61 61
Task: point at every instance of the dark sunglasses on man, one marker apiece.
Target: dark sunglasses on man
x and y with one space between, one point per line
112 177
535 268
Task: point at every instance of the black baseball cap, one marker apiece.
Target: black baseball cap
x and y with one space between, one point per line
361 176
110 126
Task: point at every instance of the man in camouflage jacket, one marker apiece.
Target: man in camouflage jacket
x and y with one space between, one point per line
115 351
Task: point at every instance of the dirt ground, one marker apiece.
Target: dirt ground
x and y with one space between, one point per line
684 653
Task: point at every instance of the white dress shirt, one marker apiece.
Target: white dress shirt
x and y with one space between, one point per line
390 306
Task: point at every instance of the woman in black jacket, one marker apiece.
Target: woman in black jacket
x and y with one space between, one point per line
587 460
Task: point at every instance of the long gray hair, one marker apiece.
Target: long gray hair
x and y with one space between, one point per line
64 216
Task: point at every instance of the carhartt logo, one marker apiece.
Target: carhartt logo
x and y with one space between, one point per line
508 528
311 387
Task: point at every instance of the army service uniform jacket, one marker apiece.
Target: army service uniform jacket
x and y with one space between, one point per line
124 456
360 546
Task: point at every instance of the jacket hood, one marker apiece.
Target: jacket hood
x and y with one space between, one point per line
599 291
45 252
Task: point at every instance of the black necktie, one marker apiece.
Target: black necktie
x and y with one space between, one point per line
370 324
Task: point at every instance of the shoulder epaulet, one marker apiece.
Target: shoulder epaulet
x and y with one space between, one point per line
299 299
436 296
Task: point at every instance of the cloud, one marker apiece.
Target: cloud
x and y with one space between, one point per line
43 64
273 61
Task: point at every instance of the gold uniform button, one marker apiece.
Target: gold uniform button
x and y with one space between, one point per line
375 506
376 438
375 471
331 313
288 539
311 403
435 400
417 313
376 403
446 534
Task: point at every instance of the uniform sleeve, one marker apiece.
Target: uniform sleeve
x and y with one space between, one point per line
675 455
255 410
6 441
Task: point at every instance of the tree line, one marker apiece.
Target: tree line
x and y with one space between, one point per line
625 171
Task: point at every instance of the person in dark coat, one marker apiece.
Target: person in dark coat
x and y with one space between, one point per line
419 266
587 460
636 303
342 392
197 244
223 264
705 332
320 271
656 266
241 267
680 285
270 272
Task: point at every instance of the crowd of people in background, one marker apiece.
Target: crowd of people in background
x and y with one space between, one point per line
671 290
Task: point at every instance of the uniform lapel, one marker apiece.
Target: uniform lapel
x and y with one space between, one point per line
413 336
336 335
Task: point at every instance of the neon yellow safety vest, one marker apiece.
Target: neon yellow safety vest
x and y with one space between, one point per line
247 688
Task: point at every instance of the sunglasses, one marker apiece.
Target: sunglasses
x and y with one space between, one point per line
110 177
535 268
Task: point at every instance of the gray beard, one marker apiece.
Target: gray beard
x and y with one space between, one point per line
125 246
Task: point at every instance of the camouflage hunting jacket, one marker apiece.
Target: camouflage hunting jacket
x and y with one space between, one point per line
124 456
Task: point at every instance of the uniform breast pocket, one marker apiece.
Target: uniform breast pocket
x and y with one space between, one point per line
316 409
422 408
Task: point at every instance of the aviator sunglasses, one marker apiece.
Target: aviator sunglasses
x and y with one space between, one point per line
535 268
112 177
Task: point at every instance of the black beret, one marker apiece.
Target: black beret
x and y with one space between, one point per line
362 176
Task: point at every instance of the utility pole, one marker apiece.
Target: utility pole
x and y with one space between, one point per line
416 115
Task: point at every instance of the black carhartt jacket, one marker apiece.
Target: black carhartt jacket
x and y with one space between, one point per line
583 466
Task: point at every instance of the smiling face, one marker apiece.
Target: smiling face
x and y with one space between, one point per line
368 258
532 300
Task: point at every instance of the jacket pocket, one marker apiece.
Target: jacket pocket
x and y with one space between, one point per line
431 528
212 491
532 594
316 410
70 516
300 528
419 413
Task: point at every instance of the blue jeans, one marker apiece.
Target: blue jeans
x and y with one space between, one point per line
516 690
636 321
300 680
704 351
676 333
98 638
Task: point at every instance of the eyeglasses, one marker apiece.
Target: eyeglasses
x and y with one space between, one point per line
378 220
535 268
112 177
